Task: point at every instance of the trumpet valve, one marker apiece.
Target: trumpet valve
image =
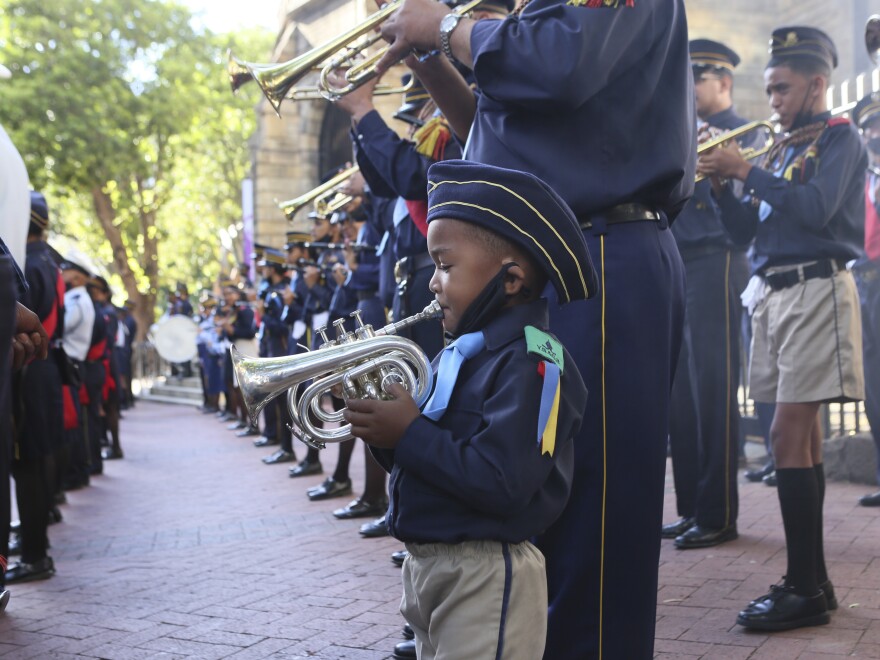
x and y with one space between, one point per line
323 332
356 315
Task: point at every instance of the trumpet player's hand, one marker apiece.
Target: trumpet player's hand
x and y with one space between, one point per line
382 423
415 26
724 161
340 272
355 185
358 102
30 341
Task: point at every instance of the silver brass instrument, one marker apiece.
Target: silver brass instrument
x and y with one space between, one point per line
364 363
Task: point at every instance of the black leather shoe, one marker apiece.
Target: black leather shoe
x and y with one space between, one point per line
110 454
237 426
361 508
59 498
783 609
676 528
249 432
405 650
279 456
263 441
330 488
55 515
757 474
398 557
870 500
39 570
705 537
4 599
828 589
375 529
224 416
770 480
305 468
408 632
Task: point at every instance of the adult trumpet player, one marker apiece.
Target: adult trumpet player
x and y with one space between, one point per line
703 414
804 208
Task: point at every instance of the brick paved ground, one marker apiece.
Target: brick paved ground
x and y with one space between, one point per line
190 547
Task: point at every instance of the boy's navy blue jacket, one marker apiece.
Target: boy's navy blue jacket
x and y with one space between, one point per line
478 472
815 211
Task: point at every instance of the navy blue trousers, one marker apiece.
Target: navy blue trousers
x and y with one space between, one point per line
868 280
704 415
603 552
7 328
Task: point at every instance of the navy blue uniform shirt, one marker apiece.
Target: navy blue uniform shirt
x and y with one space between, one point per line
274 329
478 472
819 214
699 224
41 273
577 96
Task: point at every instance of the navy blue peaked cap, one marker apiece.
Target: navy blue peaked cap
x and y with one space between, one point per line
801 42
39 210
867 109
712 54
524 210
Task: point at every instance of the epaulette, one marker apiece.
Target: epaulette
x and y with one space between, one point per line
838 121
431 139
545 346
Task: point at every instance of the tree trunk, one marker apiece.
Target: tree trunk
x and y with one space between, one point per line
144 302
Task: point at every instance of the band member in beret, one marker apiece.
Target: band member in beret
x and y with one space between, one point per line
804 208
486 465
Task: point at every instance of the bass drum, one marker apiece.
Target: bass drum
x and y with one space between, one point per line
175 338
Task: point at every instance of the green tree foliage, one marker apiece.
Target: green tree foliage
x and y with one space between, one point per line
124 116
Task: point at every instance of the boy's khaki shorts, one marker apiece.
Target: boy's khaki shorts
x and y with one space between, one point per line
476 600
807 342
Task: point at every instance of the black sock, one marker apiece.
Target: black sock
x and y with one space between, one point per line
312 455
345 450
799 502
821 570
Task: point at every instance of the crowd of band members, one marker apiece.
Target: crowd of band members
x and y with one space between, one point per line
385 266
704 436
64 410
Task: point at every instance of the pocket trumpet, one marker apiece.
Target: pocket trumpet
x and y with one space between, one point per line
365 363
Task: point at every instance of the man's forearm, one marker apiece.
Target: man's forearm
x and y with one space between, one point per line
450 92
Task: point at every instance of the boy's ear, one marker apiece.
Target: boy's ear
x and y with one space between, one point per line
514 279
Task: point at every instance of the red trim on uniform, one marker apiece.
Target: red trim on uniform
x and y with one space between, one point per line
71 420
418 211
97 351
838 121
83 395
109 382
50 323
872 226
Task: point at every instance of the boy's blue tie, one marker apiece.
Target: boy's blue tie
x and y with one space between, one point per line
454 355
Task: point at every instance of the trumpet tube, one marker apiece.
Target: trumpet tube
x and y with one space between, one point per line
362 72
749 153
292 206
364 364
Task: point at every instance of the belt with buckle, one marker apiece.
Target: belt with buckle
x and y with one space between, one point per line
624 213
820 269
409 265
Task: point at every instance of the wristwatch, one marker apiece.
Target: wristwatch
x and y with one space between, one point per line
447 25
